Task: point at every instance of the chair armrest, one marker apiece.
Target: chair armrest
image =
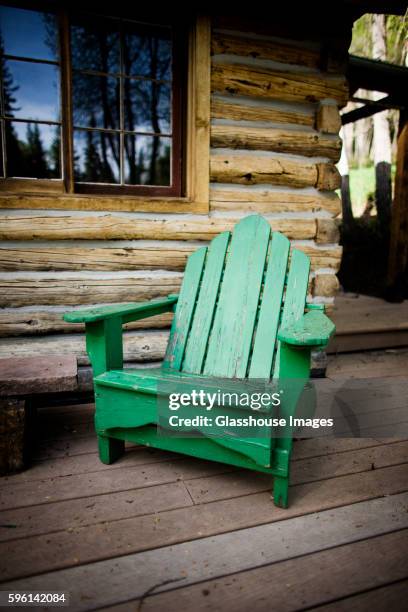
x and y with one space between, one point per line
313 329
127 312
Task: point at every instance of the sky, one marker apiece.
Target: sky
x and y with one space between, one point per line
24 33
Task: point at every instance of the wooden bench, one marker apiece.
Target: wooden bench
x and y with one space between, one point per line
20 380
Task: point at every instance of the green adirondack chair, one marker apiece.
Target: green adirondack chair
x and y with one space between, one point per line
241 313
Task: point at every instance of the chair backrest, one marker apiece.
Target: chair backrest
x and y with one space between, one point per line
235 294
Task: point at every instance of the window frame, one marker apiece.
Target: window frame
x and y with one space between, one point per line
194 163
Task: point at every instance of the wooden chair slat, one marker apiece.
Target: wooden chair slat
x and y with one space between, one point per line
269 314
231 337
295 296
206 304
184 310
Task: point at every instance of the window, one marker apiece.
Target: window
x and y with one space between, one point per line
92 101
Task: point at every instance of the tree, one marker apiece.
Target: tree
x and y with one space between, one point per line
36 161
55 155
93 168
15 161
381 135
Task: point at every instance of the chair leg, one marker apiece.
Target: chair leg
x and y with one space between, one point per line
280 491
110 449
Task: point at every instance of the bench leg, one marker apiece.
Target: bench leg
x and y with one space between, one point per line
110 449
280 491
12 434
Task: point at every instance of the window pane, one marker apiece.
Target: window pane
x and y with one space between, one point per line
96 157
147 106
148 54
95 45
28 33
95 101
147 160
33 150
31 91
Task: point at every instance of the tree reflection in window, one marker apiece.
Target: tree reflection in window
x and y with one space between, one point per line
122 102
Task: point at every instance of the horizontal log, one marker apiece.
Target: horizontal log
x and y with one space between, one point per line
37 323
55 258
144 257
269 201
322 258
220 109
112 227
325 285
62 291
138 346
327 231
260 82
252 170
328 119
273 139
277 51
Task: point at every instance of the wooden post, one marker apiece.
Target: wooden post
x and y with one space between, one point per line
398 254
343 167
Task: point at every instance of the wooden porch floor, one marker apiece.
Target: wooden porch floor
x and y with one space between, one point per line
365 323
158 531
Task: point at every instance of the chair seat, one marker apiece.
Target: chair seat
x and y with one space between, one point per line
143 380
147 381
140 388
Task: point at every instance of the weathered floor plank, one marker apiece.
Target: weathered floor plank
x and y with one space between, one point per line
81 463
239 483
391 363
131 576
106 540
298 584
48 517
87 463
31 494
76 513
380 599
64 447
206 481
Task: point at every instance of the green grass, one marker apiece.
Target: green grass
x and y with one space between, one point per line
362 183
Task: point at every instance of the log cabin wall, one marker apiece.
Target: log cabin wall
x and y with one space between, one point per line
274 144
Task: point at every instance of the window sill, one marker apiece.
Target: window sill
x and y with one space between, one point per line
29 198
